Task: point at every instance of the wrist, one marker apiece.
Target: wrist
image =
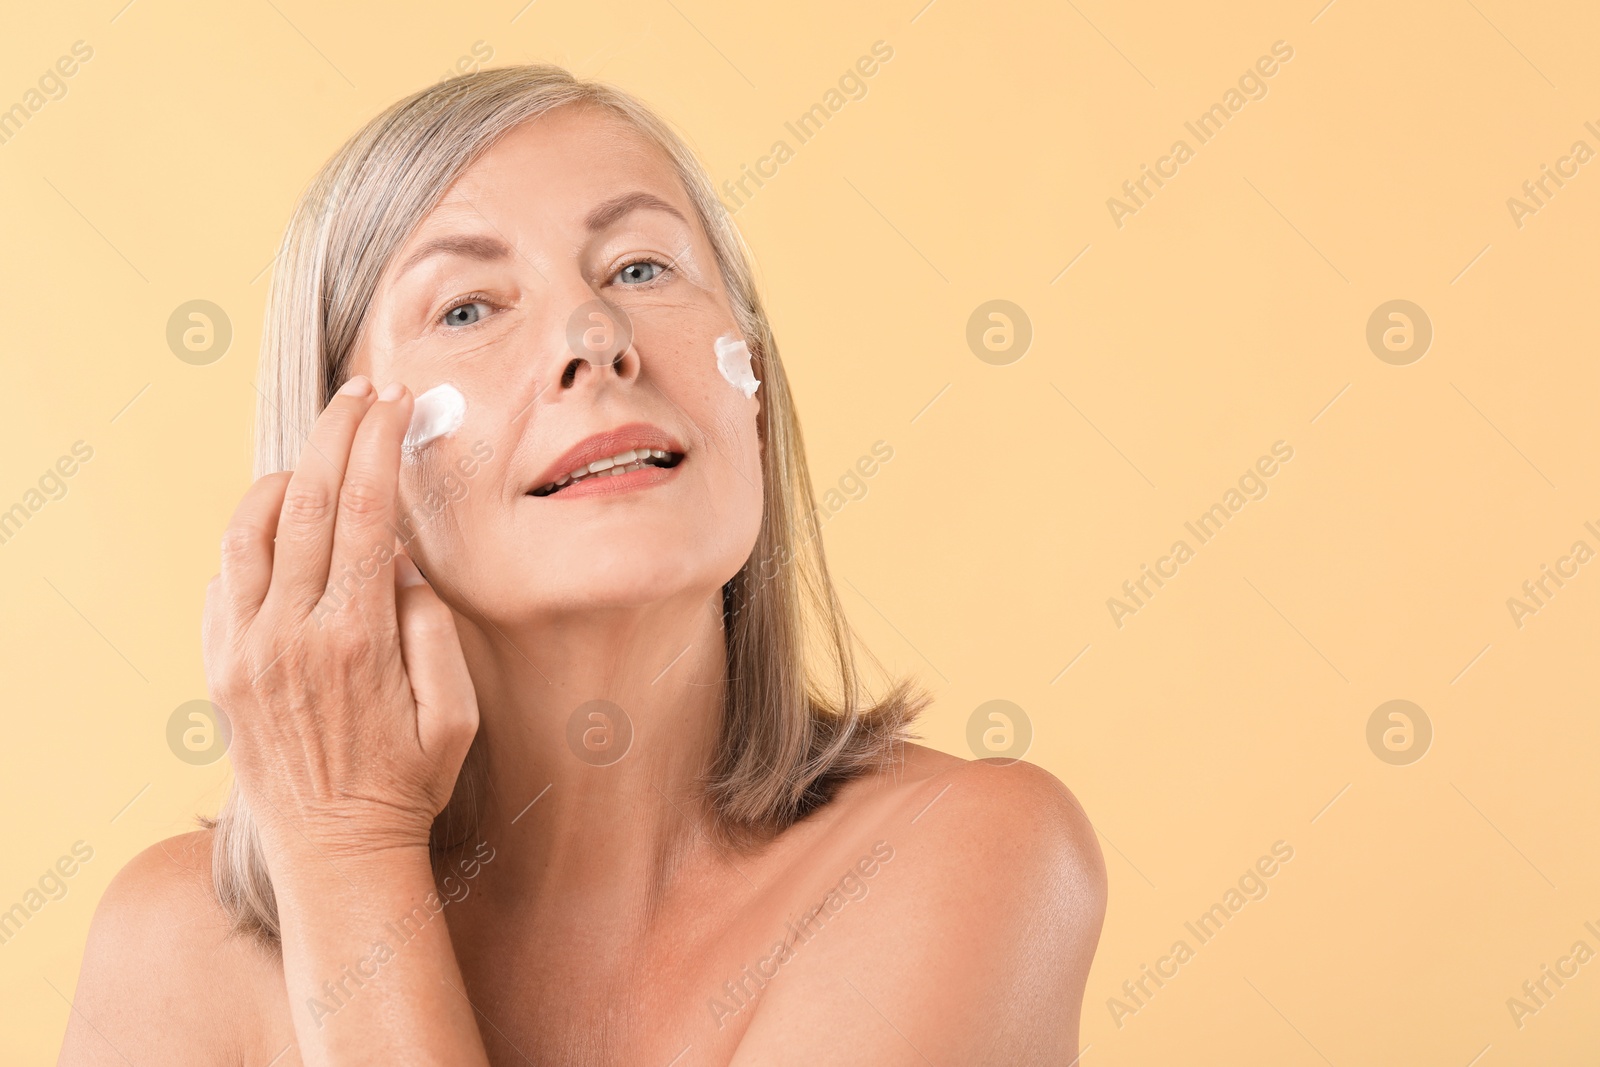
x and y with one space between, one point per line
314 852
349 830
315 877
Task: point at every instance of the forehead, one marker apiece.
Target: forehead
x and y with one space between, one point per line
562 163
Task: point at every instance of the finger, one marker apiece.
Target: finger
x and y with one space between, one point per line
310 503
217 646
214 623
364 529
247 548
447 705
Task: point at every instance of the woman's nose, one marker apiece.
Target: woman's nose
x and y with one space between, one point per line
624 365
599 342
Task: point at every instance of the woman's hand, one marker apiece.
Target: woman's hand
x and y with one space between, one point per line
351 708
338 667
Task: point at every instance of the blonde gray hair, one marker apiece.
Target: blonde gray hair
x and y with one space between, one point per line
797 720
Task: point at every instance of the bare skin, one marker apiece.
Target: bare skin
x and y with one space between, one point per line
596 920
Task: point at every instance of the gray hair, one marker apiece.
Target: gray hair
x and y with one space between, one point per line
797 721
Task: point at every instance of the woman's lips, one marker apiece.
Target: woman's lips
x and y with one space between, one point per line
593 458
607 483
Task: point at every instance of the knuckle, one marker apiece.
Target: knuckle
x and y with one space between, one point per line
228 679
308 506
346 638
462 728
326 612
434 626
268 640
429 614
360 497
237 543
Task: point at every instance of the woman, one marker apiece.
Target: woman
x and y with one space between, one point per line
539 762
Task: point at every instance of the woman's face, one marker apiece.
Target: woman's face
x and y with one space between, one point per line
520 289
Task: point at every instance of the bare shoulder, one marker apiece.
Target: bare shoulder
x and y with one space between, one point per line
970 919
163 979
1013 817
1003 848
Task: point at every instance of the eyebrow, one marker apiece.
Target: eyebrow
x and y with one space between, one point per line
618 206
491 249
471 245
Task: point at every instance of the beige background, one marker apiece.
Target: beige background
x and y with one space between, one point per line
1229 313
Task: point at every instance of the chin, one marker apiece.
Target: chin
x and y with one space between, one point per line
595 577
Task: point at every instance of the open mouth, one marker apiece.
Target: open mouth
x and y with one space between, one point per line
623 462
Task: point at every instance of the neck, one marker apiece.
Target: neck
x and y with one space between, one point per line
597 730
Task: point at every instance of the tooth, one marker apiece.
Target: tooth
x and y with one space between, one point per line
601 464
579 473
563 480
626 457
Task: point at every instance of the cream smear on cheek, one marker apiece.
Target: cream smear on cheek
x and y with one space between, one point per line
733 360
438 412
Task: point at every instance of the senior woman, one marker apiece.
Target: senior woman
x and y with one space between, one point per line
549 741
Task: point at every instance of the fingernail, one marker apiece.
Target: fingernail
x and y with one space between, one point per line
406 572
360 385
392 391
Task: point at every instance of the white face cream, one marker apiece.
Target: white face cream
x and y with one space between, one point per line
733 360
437 412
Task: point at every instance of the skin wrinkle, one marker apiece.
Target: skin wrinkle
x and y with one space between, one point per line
427 473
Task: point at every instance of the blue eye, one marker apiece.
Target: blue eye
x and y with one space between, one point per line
641 272
466 314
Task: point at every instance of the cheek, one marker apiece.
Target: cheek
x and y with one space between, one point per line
734 455
426 522
495 409
724 415
445 489
681 365
677 348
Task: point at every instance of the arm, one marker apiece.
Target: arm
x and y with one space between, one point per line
352 710
367 959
